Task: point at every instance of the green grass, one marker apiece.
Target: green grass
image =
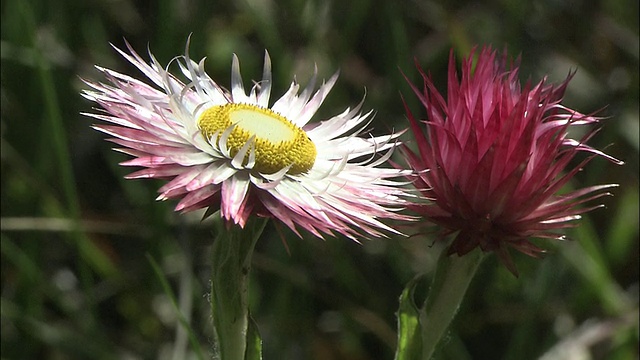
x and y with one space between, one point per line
75 236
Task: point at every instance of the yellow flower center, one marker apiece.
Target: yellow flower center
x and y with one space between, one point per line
278 142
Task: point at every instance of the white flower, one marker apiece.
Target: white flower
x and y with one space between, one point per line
231 151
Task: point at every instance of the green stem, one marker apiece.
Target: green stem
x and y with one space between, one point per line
231 264
450 282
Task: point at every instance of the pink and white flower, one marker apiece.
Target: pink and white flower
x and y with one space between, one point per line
234 152
492 156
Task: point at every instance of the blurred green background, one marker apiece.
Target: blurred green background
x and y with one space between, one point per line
77 282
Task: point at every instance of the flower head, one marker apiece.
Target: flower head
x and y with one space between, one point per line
232 151
494 155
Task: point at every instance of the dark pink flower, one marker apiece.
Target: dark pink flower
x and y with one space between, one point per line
492 156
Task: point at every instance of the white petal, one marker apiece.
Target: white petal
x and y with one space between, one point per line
234 191
237 87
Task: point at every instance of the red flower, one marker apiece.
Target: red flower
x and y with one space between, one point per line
493 155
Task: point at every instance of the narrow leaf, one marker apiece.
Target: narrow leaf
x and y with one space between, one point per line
409 334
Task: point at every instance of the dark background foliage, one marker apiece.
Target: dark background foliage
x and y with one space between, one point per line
77 282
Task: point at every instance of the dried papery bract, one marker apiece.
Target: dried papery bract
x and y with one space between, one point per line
492 156
235 152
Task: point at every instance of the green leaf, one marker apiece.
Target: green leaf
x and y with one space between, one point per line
254 342
409 334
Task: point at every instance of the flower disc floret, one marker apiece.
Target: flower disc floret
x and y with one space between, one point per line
277 142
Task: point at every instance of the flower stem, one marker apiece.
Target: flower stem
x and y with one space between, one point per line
450 283
231 263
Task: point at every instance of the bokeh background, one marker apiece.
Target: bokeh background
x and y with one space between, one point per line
78 241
